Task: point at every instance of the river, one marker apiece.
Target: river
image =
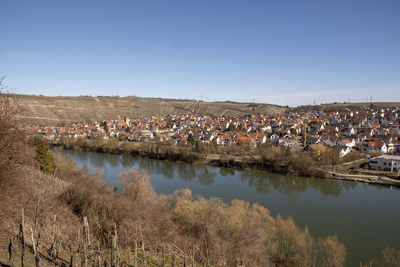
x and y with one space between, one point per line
365 217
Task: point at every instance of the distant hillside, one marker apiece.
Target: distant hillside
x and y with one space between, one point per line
47 110
345 106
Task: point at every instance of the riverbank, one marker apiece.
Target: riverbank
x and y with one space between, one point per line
370 179
275 161
269 158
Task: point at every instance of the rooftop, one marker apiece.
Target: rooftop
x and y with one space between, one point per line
390 157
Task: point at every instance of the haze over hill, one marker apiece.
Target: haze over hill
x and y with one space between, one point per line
49 110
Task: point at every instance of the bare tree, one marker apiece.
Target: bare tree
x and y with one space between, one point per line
11 135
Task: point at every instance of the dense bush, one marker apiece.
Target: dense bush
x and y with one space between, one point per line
218 233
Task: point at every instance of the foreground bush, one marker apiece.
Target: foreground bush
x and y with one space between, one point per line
207 230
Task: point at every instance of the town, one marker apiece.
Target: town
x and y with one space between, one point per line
368 130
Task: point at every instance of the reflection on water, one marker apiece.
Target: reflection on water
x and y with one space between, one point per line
289 185
366 218
206 175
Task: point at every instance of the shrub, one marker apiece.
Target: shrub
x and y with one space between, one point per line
391 257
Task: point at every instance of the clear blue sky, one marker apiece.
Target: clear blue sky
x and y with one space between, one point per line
283 52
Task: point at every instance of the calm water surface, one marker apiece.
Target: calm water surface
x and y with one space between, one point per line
365 217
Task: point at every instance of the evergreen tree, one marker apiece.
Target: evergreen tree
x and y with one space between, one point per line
214 144
44 156
106 130
191 139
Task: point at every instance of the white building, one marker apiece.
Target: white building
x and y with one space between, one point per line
375 146
346 142
385 163
344 151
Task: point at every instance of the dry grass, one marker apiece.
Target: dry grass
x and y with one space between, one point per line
24 191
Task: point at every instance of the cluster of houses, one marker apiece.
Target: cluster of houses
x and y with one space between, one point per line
362 130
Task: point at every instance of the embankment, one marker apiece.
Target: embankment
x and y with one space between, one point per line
276 161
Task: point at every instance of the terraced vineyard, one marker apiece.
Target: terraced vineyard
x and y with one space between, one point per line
47 110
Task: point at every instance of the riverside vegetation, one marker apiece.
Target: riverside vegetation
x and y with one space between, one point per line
261 157
57 214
